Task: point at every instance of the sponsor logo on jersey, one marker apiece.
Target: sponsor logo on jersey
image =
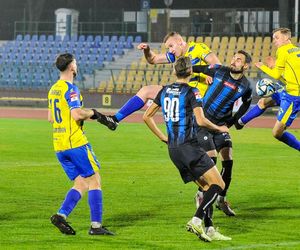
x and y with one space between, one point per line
230 85
74 96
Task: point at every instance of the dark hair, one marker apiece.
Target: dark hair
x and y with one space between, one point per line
248 58
63 60
183 67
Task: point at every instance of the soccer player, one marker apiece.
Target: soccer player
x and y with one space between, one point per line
179 102
287 69
199 53
72 148
229 84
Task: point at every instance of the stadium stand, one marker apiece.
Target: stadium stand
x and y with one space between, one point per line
28 60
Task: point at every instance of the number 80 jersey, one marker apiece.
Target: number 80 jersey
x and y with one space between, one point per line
67 133
178 101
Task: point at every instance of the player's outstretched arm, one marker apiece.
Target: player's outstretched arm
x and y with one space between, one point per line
151 56
275 72
148 119
202 121
80 114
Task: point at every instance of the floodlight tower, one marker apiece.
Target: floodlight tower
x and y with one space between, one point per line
168 3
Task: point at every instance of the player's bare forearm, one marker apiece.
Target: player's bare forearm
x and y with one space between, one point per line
81 114
148 119
202 121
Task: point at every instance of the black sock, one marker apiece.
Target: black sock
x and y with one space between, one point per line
226 175
208 199
208 216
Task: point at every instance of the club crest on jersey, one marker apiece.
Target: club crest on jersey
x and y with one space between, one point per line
197 95
74 96
230 85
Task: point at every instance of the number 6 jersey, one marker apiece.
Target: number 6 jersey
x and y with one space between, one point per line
67 133
178 101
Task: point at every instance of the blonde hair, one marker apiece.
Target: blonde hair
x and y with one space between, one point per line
284 31
171 34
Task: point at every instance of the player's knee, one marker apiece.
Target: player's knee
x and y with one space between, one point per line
221 184
277 134
261 103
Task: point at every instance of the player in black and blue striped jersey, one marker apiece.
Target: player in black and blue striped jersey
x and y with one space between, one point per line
229 84
181 108
199 53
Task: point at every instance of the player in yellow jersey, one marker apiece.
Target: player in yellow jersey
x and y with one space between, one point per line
287 69
72 148
199 54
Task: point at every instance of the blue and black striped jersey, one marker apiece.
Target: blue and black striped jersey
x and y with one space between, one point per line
219 99
178 101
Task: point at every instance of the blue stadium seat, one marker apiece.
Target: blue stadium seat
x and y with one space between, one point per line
74 38
43 38
58 38
122 39
90 38
129 39
114 39
34 38
109 58
128 45
66 38
98 38
27 38
81 38
50 38
105 39
19 37
138 39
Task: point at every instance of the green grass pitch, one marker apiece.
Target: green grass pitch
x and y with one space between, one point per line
145 202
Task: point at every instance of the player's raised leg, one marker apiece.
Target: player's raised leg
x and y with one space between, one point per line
256 111
289 107
133 104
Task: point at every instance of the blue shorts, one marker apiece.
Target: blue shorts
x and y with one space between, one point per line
277 97
78 161
289 107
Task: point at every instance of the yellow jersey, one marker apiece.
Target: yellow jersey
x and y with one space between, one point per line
287 68
67 133
197 52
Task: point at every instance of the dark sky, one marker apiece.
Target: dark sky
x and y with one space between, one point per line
107 10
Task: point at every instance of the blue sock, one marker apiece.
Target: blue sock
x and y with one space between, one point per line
95 202
252 113
290 140
71 200
133 104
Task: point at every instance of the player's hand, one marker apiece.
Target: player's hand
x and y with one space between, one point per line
258 64
96 115
223 129
143 46
208 80
270 61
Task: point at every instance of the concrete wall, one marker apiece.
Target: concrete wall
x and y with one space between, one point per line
38 98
